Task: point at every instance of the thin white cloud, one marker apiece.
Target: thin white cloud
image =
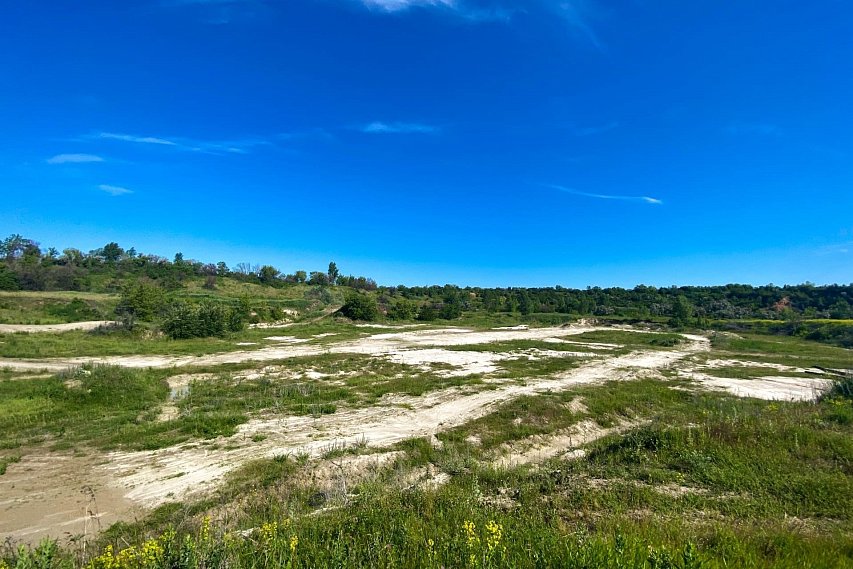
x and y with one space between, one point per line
74 159
206 146
643 199
138 139
114 190
379 127
399 5
575 13
590 130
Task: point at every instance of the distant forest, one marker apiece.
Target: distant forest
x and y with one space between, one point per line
24 265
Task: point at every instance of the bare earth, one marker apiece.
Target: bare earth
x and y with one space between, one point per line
36 328
55 494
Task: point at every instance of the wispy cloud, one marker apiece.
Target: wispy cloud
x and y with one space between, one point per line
399 128
74 159
843 248
242 146
399 5
114 190
754 128
575 13
642 199
138 139
590 130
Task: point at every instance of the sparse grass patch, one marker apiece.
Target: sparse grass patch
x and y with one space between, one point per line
785 350
749 372
630 339
92 403
5 461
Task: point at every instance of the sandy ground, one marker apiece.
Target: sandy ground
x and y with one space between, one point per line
567 442
771 388
51 493
35 328
150 478
56 494
397 346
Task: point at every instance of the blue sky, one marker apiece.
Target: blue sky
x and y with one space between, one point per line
524 143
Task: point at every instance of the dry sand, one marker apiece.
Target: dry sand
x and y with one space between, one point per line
40 328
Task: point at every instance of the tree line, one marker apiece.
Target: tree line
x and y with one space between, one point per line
24 265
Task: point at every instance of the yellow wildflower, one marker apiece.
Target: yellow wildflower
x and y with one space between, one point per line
204 533
471 533
294 541
269 531
106 560
494 535
152 552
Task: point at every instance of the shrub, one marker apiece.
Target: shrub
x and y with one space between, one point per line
360 307
403 310
142 301
200 321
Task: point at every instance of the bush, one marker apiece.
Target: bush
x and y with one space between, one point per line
403 310
360 307
200 321
142 301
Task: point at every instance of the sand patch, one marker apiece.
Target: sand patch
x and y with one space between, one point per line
771 388
58 495
152 477
53 328
566 443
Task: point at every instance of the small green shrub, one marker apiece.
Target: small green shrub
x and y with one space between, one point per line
360 306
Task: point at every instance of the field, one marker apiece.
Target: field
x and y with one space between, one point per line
319 442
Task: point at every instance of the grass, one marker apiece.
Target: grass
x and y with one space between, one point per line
108 407
5 461
90 404
55 307
519 345
630 339
145 341
784 501
750 372
708 480
785 350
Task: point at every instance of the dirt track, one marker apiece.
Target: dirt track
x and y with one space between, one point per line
151 477
41 328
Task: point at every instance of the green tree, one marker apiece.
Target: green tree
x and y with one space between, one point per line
318 278
112 252
268 274
142 300
682 311
403 310
333 273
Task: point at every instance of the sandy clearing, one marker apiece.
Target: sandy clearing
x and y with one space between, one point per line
53 328
465 336
718 363
152 477
771 388
287 339
565 442
128 480
58 494
376 345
